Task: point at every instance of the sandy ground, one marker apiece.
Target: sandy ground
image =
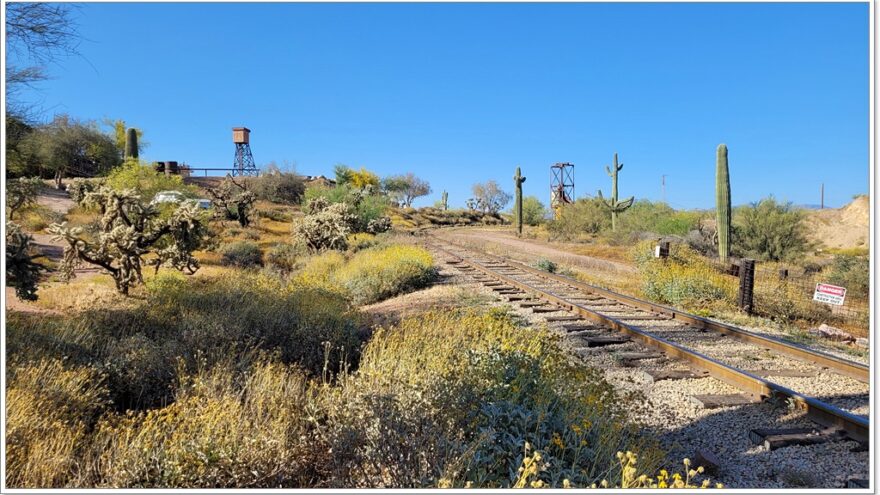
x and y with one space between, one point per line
846 227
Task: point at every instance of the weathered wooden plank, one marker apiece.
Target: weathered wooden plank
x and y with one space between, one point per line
660 375
532 304
714 401
758 435
773 442
605 341
541 309
562 318
578 328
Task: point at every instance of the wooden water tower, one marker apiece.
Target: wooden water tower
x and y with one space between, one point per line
244 159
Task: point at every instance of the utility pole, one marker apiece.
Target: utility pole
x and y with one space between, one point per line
822 196
663 187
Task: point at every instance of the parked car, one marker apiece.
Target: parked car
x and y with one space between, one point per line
178 197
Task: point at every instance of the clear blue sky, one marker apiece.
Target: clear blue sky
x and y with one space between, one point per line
460 93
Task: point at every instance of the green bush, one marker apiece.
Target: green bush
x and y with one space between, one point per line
278 187
546 265
534 212
244 254
658 218
584 216
852 272
283 257
768 230
366 206
141 177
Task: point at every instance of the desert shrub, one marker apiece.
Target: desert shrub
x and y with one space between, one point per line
278 187
283 257
194 322
787 301
22 272
546 265
143 178
244 254
852 272
372 274
275 214
227 428
584 216
658 218
50 408
357 242
324 226
377 274
768 230
534 211
684 279
21 193
365 206
79 187
449 399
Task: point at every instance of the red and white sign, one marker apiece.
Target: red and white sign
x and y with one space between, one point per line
830 294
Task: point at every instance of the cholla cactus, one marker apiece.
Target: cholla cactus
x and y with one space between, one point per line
20 193
128 231
379 225
233 200
78 188
325 226
21 270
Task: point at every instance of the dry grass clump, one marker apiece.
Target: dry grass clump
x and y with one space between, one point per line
685 279
371 275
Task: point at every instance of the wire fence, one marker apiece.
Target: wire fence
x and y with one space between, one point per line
788 291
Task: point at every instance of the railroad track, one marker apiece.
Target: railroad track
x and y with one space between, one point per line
760 367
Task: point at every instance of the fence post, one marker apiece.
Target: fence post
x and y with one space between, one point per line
783 273
662 251
745 298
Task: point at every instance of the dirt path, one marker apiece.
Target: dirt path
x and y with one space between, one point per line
56 200
532 248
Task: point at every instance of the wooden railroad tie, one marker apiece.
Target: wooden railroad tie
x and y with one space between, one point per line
714 401
532 304
605 341
492 284
498 288
777 438
509 292
563 318
660 375
579 328
541 309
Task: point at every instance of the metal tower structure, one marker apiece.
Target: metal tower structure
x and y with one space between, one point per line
244 159
561 186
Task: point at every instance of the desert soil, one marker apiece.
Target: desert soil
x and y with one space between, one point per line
846 227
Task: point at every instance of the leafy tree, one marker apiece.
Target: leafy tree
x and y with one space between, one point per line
129 230
19 161
66 147
403 189
20 193
534 211
768 230
343 174
488 197
363 179
145 180
22 272
233 200
37 34
657 217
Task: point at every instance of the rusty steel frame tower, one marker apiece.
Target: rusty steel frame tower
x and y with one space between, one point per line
244 159
561 186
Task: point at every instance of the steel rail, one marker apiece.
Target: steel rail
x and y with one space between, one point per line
855 427
846 367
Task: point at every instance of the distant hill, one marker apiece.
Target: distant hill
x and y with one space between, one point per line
845 227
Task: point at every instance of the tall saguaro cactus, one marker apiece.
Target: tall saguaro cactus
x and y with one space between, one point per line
444 198
722 202
131 143
518 179
613 204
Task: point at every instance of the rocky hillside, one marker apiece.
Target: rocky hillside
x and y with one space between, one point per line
842 228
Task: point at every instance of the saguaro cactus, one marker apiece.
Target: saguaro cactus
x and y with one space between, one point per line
722 202
131 143
518 179
444 198
613 204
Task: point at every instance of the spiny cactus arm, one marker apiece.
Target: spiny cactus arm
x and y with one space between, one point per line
623 205
620 167
78 250
608 171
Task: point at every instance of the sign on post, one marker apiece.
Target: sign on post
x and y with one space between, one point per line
829 294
